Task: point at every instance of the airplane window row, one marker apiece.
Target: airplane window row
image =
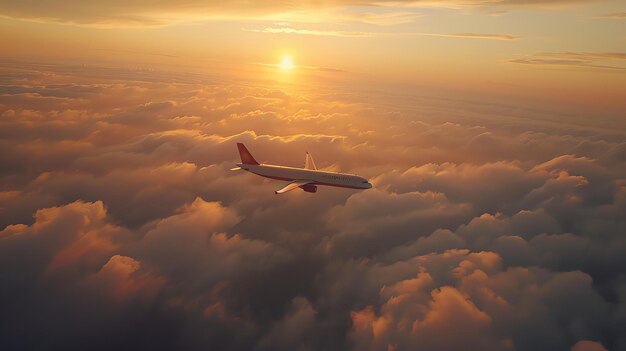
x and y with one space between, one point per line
336 177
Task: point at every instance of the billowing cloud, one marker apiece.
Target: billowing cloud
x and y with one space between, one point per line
488 227
471 294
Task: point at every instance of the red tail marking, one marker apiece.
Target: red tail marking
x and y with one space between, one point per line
246 156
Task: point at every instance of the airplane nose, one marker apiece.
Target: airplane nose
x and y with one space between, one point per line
368 185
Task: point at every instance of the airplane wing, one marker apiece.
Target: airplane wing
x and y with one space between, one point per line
292 185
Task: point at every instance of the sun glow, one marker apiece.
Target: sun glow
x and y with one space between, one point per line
286 63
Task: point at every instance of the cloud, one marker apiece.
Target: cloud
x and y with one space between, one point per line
588 55
385 18
473 295
564 63
288 30
461 182
122 281
76 249
576 60
124 228
472 36
344 34
587 345
616 16
291 332
377 220
448 310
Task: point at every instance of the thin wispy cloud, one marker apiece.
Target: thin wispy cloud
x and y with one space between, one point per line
384 18
472 36
329 33
581 60
563 63
136 52
615 16
332 33
586 55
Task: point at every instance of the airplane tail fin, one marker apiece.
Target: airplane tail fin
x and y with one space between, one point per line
246 156
308 162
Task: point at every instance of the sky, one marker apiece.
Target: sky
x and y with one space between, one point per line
493 132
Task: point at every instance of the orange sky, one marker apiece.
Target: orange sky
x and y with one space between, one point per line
560 53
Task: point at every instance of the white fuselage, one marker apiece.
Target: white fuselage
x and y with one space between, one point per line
317 177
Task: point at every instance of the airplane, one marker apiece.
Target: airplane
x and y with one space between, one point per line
307 178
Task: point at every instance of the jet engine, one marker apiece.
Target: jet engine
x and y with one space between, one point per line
309 188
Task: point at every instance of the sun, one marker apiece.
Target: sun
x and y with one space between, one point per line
286 63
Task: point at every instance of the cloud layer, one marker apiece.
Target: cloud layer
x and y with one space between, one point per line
489 227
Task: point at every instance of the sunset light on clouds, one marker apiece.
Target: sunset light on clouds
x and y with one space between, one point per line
493 132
